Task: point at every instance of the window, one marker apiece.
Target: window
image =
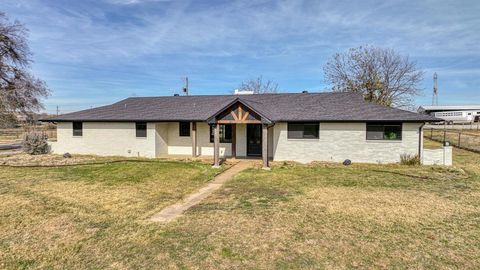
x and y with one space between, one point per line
303 130
225 134
184 129
77 129
443 114
141 129
384 131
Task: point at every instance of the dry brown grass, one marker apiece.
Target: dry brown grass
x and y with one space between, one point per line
468 139
331 216
23 159
86 216
20 159
384 206
296 216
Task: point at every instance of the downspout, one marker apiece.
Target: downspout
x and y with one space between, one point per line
420 145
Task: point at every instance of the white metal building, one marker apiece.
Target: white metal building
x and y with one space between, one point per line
453 113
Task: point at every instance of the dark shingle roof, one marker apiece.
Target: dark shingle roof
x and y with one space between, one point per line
326 106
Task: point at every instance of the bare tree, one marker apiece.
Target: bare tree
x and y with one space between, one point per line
258 86
381 75
20 91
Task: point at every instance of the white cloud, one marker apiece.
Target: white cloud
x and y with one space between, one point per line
260 29
228 41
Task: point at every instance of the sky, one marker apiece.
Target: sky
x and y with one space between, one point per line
96 52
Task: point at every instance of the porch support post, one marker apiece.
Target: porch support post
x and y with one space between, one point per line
194 139
265 147
216 145
234 140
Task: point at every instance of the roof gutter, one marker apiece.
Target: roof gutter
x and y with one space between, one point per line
120 120
208 120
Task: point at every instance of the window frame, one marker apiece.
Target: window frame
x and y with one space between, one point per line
77 132
138 129
383 125
304 124
222 134
180 130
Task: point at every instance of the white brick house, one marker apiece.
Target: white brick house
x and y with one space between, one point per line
299 127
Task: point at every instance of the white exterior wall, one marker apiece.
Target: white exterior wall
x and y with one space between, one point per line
340 141
178 145
161 139
270 142
337 142
241 140
106 139
119 139
442 156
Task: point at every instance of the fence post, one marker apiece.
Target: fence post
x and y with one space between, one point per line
444 132
431 133
459 138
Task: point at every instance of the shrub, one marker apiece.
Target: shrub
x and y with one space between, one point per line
35 143
411 160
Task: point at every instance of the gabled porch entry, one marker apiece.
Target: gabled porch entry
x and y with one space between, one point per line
257 130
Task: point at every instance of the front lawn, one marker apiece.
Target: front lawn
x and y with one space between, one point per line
294 216
332 216
89 216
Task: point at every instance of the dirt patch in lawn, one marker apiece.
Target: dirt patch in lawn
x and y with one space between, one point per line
52 160
22 159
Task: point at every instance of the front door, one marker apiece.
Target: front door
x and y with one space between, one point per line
254 140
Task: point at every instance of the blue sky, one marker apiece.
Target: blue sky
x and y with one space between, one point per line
95 52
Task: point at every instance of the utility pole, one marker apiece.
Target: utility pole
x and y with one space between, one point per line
57 110
185 87
435 89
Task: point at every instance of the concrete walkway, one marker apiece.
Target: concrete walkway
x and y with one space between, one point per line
174 210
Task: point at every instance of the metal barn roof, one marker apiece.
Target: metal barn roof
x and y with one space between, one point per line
437 108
